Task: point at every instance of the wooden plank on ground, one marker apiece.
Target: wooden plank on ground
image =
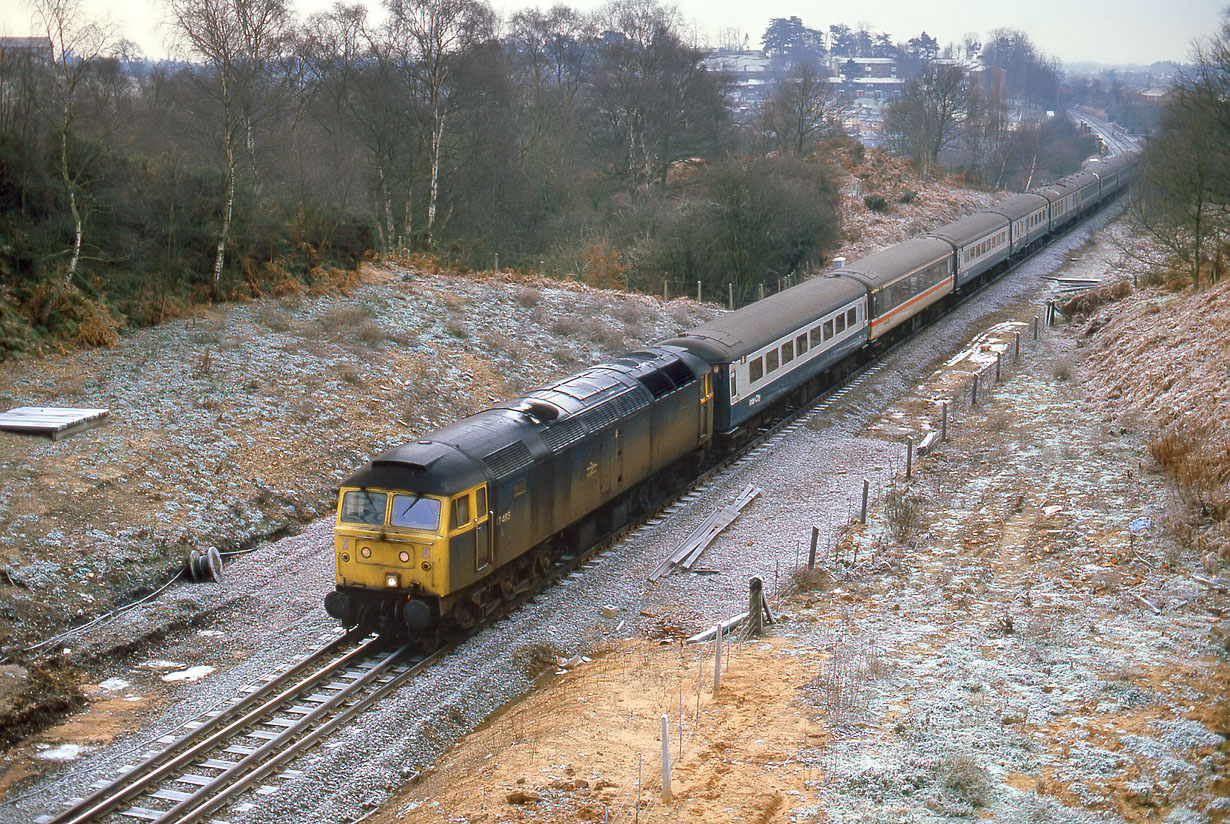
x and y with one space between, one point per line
52 421
689 551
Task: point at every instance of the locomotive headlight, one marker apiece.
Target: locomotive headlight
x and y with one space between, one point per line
404 557
366 552
390 581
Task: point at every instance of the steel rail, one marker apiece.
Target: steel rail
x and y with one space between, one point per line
222 726
260 763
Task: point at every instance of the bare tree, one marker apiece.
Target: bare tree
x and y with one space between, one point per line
926 119
240 40
77 43
650 101
356 91
430 35
802 106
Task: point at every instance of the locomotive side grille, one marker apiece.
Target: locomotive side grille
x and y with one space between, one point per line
512 458
564 433
600 417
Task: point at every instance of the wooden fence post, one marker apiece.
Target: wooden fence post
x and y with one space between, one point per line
755 607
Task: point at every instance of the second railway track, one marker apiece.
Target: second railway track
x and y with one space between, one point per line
213 761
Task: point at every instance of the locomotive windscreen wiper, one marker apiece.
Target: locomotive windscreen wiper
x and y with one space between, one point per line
410 505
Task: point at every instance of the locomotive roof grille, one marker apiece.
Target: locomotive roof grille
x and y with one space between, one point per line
679 373
657 383
630 402
563 434
509 460
600 417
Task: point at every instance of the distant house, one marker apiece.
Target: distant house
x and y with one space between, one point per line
26 50
750 73
874 78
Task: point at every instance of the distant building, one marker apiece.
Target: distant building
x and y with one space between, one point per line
750 71
26 49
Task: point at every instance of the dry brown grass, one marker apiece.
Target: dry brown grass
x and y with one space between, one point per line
97 327
340 319
1197 456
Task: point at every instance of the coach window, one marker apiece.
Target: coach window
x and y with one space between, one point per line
787 352
800 343
851 317
755 370
841 323
816 337
828 329
770 361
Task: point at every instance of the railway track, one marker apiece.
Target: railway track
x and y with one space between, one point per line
218 758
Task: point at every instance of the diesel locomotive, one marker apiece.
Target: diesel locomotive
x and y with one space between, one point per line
442 532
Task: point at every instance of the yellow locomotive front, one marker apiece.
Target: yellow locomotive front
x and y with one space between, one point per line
400 522
384 540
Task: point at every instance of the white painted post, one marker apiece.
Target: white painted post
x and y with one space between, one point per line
717 661
698 291
666 758
638 787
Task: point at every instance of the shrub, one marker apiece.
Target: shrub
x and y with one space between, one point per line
876 203
908 196
903 512
528 297
370 332
1062 368
748 221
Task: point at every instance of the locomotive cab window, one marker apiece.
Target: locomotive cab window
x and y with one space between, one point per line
362 507
415 512
480 503
461 512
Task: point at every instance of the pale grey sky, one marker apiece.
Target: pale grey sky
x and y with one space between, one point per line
1107 31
